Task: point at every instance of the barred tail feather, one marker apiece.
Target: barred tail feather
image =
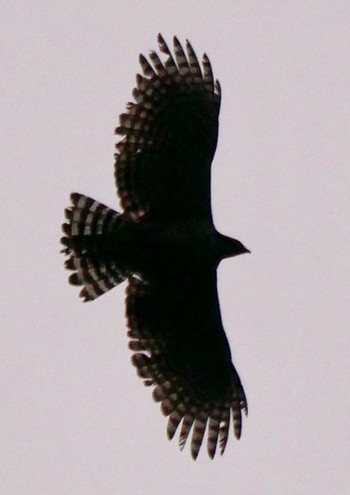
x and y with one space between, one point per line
85 242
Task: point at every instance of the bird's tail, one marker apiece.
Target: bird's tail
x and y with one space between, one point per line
86 243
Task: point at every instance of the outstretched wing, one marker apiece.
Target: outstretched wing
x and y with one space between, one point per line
170 134
181 348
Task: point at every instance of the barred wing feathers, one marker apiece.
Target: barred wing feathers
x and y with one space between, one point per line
181 348
169 138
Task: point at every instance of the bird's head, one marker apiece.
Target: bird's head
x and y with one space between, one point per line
229 247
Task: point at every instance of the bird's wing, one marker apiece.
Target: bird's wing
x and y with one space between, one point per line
169 138
180 347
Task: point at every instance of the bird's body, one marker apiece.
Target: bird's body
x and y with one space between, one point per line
166 246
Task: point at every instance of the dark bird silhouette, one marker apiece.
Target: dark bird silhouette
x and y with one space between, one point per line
166 247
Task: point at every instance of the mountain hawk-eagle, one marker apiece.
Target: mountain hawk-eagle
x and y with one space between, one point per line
165 245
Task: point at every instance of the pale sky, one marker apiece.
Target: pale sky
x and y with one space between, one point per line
75 419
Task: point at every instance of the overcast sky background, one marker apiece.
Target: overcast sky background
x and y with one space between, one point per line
75 419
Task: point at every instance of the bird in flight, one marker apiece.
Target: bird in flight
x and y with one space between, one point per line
165 246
